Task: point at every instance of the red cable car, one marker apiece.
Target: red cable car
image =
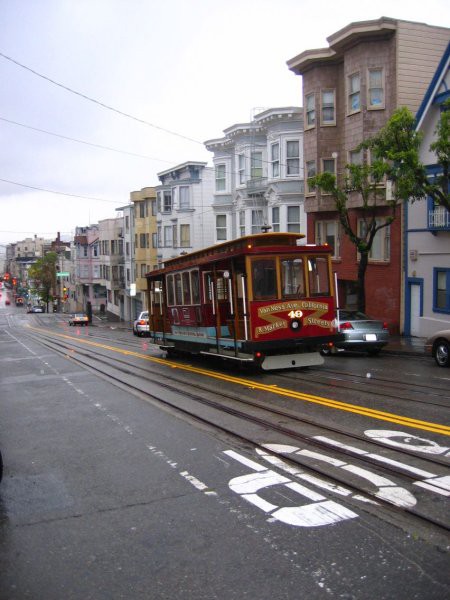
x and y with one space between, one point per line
262 299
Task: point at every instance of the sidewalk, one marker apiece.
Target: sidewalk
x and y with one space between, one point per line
405 345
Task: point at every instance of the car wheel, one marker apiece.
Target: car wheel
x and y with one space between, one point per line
442 353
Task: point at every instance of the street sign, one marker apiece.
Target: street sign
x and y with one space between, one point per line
63 274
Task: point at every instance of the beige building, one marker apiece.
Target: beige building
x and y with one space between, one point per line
145 259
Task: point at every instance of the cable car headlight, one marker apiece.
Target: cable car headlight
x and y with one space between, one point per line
295 325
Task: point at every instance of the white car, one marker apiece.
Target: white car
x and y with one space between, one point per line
140 325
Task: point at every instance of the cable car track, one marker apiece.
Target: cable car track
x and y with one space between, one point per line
97 362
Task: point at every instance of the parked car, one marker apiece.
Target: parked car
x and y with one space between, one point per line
361 333
79 319
438 346
140 325
37 309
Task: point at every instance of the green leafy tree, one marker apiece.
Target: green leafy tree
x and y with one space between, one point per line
43 275
394 153
439 189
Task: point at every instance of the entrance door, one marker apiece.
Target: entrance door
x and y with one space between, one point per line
415 308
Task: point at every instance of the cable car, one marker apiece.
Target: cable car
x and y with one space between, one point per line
263 299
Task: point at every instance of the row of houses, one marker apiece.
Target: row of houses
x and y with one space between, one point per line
259 181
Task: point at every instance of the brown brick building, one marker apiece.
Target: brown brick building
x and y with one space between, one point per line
350 90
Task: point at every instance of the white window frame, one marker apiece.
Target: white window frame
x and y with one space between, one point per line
184 197
241 169
242 223
168 236
275 218
292 162
257 220
275 160
256 164
382 104
221 229
185 240
381 247
326 230
221 177
310 173
353 93
293 225
324 106
310 110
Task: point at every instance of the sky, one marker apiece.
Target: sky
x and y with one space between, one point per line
141 85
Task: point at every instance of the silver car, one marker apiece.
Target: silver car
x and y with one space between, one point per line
438 346
361 333
141 326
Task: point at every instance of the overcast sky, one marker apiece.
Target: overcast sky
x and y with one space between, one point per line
187 68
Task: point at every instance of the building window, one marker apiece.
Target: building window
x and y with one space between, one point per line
292 157
174 236
375 89
242 223
220 178
167 201
256 170
127 248
329 165
257 221
158 202
241 168
310 103
275 218
142 211
310 172
441 290
127 223
142 240
355 157
159 236
354 93
328 114
143 270
154 240
275 160
381 245
221 227
154 208
327 232
168 240
185 236
293 219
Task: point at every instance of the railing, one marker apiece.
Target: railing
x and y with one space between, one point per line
256 185
439 218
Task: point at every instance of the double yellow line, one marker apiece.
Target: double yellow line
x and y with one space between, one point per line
273 389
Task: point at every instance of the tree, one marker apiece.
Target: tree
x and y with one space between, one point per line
43 274
393 175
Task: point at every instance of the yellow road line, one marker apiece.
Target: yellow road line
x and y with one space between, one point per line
344 406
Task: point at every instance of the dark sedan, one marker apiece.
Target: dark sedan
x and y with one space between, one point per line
361 333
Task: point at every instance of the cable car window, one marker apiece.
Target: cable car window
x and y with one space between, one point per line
186 288
264 279
222 288
292 278
207 279
195 287
170 296
178 289
318 276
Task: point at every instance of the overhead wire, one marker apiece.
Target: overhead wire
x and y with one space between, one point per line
98 102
